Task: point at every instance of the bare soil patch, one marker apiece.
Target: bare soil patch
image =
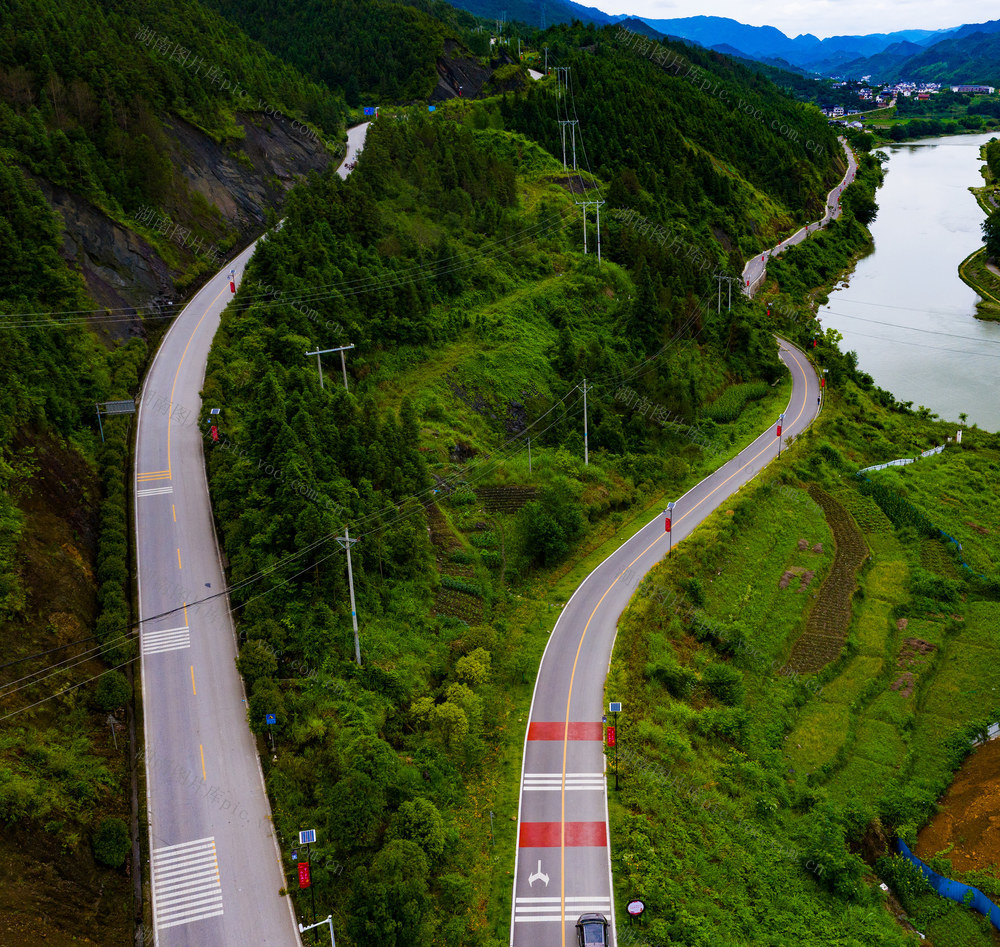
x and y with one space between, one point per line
967 829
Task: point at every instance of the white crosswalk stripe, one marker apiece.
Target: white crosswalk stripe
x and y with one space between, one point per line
533 910
154 491
186 883
552 782
166 639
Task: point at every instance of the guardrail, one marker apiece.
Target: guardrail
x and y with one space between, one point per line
906 460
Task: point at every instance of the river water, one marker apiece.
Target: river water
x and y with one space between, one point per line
903 309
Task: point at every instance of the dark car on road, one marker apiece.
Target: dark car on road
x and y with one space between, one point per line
592 930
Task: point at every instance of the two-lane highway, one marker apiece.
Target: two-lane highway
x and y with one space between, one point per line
563 861
216 867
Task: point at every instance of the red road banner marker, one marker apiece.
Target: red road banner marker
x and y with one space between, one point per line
556 730
578 835
304 879
232 286
215 433
779 431
611 736
666 525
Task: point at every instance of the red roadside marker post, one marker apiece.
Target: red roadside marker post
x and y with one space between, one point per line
668 527
615 708
780 419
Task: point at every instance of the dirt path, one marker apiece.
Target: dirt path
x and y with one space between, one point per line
969 818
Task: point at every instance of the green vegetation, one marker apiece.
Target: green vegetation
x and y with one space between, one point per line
112 843
451 260
89 96
787 790
381 50
733 400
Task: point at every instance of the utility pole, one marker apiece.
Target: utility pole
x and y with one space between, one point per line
586 448
546 48
563 122
718 307
346 542
584 205
343 362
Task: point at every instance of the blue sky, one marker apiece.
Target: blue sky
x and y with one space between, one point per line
820 17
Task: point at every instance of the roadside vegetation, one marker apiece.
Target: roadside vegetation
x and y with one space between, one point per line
770 762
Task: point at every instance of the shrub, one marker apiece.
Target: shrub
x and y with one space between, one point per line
679 681
112 843
723 682
112 691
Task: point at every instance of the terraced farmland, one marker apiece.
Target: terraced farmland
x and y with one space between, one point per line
826 627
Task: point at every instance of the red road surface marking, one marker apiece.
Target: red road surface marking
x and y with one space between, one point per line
578 834
556 730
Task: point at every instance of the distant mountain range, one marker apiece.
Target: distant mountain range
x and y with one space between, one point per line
969 53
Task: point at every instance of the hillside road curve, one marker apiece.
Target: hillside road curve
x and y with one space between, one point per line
563 858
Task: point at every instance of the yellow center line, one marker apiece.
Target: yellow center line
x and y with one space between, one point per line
193 690
579 647
201 749
186 613
179 566
178 372
173 509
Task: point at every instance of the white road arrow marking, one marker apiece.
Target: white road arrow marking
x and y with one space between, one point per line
532 878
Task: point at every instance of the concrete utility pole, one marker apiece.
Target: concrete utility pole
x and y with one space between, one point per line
563 122
584 205
586 449
343 363
546 52
346 542
562 79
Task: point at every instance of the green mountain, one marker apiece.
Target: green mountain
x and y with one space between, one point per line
974 58
137 149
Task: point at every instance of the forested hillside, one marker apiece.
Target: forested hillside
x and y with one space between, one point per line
451 259
113 127
384 49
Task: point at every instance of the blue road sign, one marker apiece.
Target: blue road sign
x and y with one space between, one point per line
431 108
307 837
369 110
615 708
270 718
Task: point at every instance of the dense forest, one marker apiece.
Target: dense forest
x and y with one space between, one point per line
385 50
90 99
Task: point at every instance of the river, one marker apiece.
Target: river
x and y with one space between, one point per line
903 309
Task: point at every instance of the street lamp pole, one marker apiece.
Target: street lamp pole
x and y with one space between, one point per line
781 419
326 920
670 528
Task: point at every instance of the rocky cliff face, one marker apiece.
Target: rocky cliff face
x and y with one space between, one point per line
458 72
220 190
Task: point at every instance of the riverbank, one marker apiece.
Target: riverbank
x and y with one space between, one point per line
982 277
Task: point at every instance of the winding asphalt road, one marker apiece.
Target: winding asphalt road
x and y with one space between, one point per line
562 867
756 268
216 867
563 861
